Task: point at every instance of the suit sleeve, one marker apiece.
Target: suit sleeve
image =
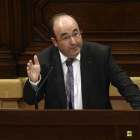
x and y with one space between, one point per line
121 81
29 93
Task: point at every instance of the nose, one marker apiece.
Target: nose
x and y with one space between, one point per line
73 41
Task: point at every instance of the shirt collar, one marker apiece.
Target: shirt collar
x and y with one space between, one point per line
64 58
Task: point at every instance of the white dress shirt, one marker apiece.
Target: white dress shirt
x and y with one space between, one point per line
77 79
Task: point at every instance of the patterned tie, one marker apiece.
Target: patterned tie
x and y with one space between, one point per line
70 84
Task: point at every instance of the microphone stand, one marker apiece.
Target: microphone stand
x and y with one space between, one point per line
36 102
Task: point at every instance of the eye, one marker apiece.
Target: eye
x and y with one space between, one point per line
75 34
65 38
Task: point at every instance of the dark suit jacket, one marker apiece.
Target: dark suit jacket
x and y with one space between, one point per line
98 69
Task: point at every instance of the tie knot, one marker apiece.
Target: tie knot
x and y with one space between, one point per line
70 60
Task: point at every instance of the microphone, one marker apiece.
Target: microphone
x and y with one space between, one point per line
36 102
70 103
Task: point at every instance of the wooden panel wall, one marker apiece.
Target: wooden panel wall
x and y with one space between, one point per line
23 30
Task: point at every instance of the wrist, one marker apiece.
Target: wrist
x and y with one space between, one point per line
35 80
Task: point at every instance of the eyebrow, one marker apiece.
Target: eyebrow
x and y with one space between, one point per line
67 33
63 34
75 30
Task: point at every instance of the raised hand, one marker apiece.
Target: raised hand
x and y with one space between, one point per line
33 70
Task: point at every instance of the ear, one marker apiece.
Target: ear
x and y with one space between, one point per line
54 41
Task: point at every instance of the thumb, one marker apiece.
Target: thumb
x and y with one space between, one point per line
36 60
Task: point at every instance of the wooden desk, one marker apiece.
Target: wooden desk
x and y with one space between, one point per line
69 125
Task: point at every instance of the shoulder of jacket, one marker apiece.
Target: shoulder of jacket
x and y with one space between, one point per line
93 47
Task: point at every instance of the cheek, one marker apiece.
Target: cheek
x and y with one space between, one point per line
80 41
64 48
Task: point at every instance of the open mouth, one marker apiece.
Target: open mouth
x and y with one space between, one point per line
74 48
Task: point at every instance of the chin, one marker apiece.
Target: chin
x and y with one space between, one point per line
75 54
77 51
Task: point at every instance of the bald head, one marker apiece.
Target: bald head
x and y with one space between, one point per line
56 18
67 36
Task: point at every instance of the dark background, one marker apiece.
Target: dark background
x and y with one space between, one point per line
24 32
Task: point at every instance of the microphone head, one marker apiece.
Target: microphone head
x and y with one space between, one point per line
53 63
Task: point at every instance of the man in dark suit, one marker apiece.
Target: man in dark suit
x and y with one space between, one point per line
93 70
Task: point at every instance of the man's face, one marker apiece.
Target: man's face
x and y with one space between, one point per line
64 27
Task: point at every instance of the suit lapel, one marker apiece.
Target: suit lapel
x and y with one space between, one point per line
59 79
86 65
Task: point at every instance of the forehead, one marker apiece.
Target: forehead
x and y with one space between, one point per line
64 24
